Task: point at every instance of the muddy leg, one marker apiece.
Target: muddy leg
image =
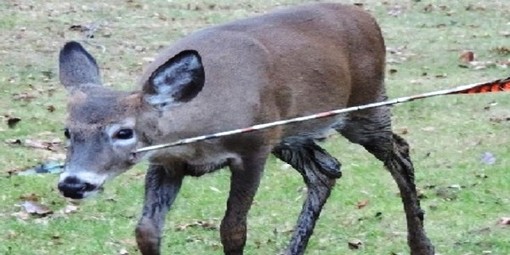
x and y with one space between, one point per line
244 183
161 188
401 168
319 171
372 129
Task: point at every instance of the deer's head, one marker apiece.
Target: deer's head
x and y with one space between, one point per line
103 125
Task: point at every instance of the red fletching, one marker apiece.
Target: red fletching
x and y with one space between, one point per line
494 86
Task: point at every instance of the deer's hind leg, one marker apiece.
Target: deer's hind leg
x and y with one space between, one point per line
319 171
372 129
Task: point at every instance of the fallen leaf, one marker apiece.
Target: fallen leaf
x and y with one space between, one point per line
467 57
362 203
21 215
402 131
27 97
504 221
88 30
13 141
481 65
472 7
35 208
505 33
36 144
209 225
395 10
429 8
421 194
70 209
499 119
428 129
355 244
12 121
52 145
501 50
455 186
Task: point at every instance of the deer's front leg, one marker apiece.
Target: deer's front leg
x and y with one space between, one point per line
245 180
161 188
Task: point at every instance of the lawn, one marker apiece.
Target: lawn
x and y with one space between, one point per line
459 143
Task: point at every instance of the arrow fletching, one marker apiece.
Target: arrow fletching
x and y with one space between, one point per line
494 86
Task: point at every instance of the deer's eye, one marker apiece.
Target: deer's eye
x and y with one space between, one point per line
124 134
67 134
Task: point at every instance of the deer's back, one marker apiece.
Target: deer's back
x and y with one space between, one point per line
280 65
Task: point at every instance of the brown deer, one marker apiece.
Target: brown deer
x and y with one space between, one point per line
288 63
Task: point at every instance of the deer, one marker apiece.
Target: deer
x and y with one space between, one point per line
289 62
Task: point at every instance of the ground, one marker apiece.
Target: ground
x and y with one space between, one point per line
459 143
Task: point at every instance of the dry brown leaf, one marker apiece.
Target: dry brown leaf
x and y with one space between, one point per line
355 244
420 193
36 144
21 215
429 8
472 7
23 97
50 108
52 145
209 225
362 203
504 221
467 57
501 50
13 141
36 208
402 130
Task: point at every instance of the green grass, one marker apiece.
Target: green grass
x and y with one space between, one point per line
448 134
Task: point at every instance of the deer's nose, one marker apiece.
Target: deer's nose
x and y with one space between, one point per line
72 187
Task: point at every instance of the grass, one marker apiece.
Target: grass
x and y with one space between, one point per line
464 197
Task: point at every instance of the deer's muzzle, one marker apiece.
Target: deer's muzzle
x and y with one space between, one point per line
72 187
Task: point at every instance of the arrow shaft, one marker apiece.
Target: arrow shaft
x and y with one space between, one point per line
477 88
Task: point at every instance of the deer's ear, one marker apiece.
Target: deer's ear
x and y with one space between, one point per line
177 81
77 66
